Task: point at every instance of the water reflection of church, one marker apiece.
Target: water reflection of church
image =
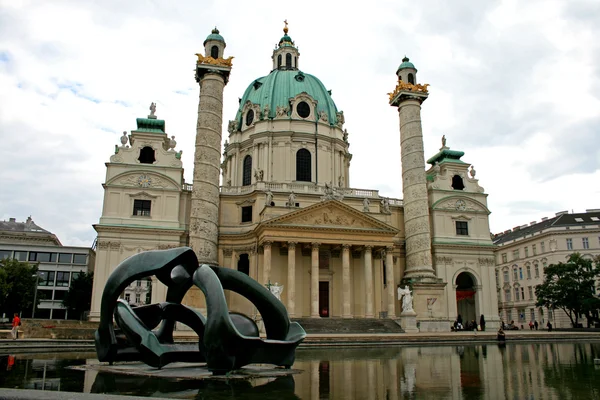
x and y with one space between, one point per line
283 209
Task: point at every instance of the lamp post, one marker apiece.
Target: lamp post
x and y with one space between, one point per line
37 280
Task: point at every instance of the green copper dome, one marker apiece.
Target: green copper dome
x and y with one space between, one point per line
279 86
406 64
214 36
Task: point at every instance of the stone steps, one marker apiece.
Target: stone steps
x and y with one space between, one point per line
338 325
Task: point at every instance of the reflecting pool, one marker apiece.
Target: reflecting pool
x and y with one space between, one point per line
516 371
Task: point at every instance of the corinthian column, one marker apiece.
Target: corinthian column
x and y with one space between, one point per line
408 99
346 313
267 261
368 282
314 281
291 280
204 214
391 290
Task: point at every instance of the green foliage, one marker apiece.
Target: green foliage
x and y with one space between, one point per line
17 286
570 286
79 297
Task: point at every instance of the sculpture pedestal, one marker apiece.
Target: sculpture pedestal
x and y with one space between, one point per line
408 321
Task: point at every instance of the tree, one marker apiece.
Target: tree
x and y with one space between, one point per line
570 286
79 297
17 286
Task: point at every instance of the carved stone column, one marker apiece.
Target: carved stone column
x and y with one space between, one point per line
390 282
267 261
291 280
314 281
204 213
368 267
419 266
233 264
346 289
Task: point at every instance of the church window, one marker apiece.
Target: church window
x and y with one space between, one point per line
505 276
147 155
462 228
457 183
142 207
303 161
515 276
507 295
303 109
288 61
247 173
279 61
529 272
247 214
537 270
411 79
243 264
249 117
214 52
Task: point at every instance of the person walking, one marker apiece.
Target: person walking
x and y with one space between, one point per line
16 322
535 324
549 326
482 323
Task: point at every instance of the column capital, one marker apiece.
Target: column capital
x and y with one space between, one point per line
315 245
292 245
368 248
389 248
267 243
346 246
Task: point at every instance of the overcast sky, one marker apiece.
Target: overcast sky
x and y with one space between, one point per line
514 84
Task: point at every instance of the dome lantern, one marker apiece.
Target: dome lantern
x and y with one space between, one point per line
214 45
285 56
407 72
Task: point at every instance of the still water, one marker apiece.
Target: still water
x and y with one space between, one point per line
519 371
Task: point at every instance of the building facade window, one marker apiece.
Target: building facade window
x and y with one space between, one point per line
530 290
505 276
504 258
303 166
142 207
288 61
147 155
507 295
79 258
62 278
516 294
537 270
543 247
247 171
46 278
522 293
214 52
526 251
137 298
529 272
516 254
515 276
247 214
569 244
585 243
457 183
534 249
19 256
462 228
127 297
520 273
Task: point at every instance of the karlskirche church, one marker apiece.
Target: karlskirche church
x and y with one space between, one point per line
275 203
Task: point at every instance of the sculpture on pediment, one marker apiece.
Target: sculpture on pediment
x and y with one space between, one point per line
323 116
385 206
281 111
124 139
232 127
291 200
443 140
366 204
472 171
340 119
269 199
345 135
258 174
266 111
152 109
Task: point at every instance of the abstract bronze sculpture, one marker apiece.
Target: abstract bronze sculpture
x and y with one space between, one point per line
227 341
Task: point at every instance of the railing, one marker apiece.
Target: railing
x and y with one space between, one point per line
301 188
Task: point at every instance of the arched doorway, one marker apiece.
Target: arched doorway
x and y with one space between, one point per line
465 298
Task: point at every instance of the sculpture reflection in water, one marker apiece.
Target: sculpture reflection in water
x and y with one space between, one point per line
227 341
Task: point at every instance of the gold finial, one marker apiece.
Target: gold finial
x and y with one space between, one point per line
285 29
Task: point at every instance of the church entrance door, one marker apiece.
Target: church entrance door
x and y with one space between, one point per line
465 298
324 299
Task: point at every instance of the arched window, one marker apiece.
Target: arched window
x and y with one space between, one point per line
243 264
279 61
411 79
295 62
303 172
214 52
288 61
147 155
247 174
457 183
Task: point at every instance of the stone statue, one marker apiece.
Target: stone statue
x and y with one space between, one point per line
366 204
152 109
406 296
385 206
276 289
291 200
340 181
269 199
281 111
340 119
472 172
345 135
231 128
172 143
443 140
124 139
266 111
323 116
228 182
259 174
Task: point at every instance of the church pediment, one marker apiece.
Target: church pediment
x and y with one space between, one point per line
331 214
460 204
143 179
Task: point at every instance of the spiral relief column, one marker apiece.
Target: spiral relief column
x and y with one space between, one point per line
212 73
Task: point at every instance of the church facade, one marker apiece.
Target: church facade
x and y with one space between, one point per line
275 202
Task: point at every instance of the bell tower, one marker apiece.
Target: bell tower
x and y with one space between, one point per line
212 73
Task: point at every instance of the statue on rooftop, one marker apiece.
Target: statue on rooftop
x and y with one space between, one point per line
152 109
